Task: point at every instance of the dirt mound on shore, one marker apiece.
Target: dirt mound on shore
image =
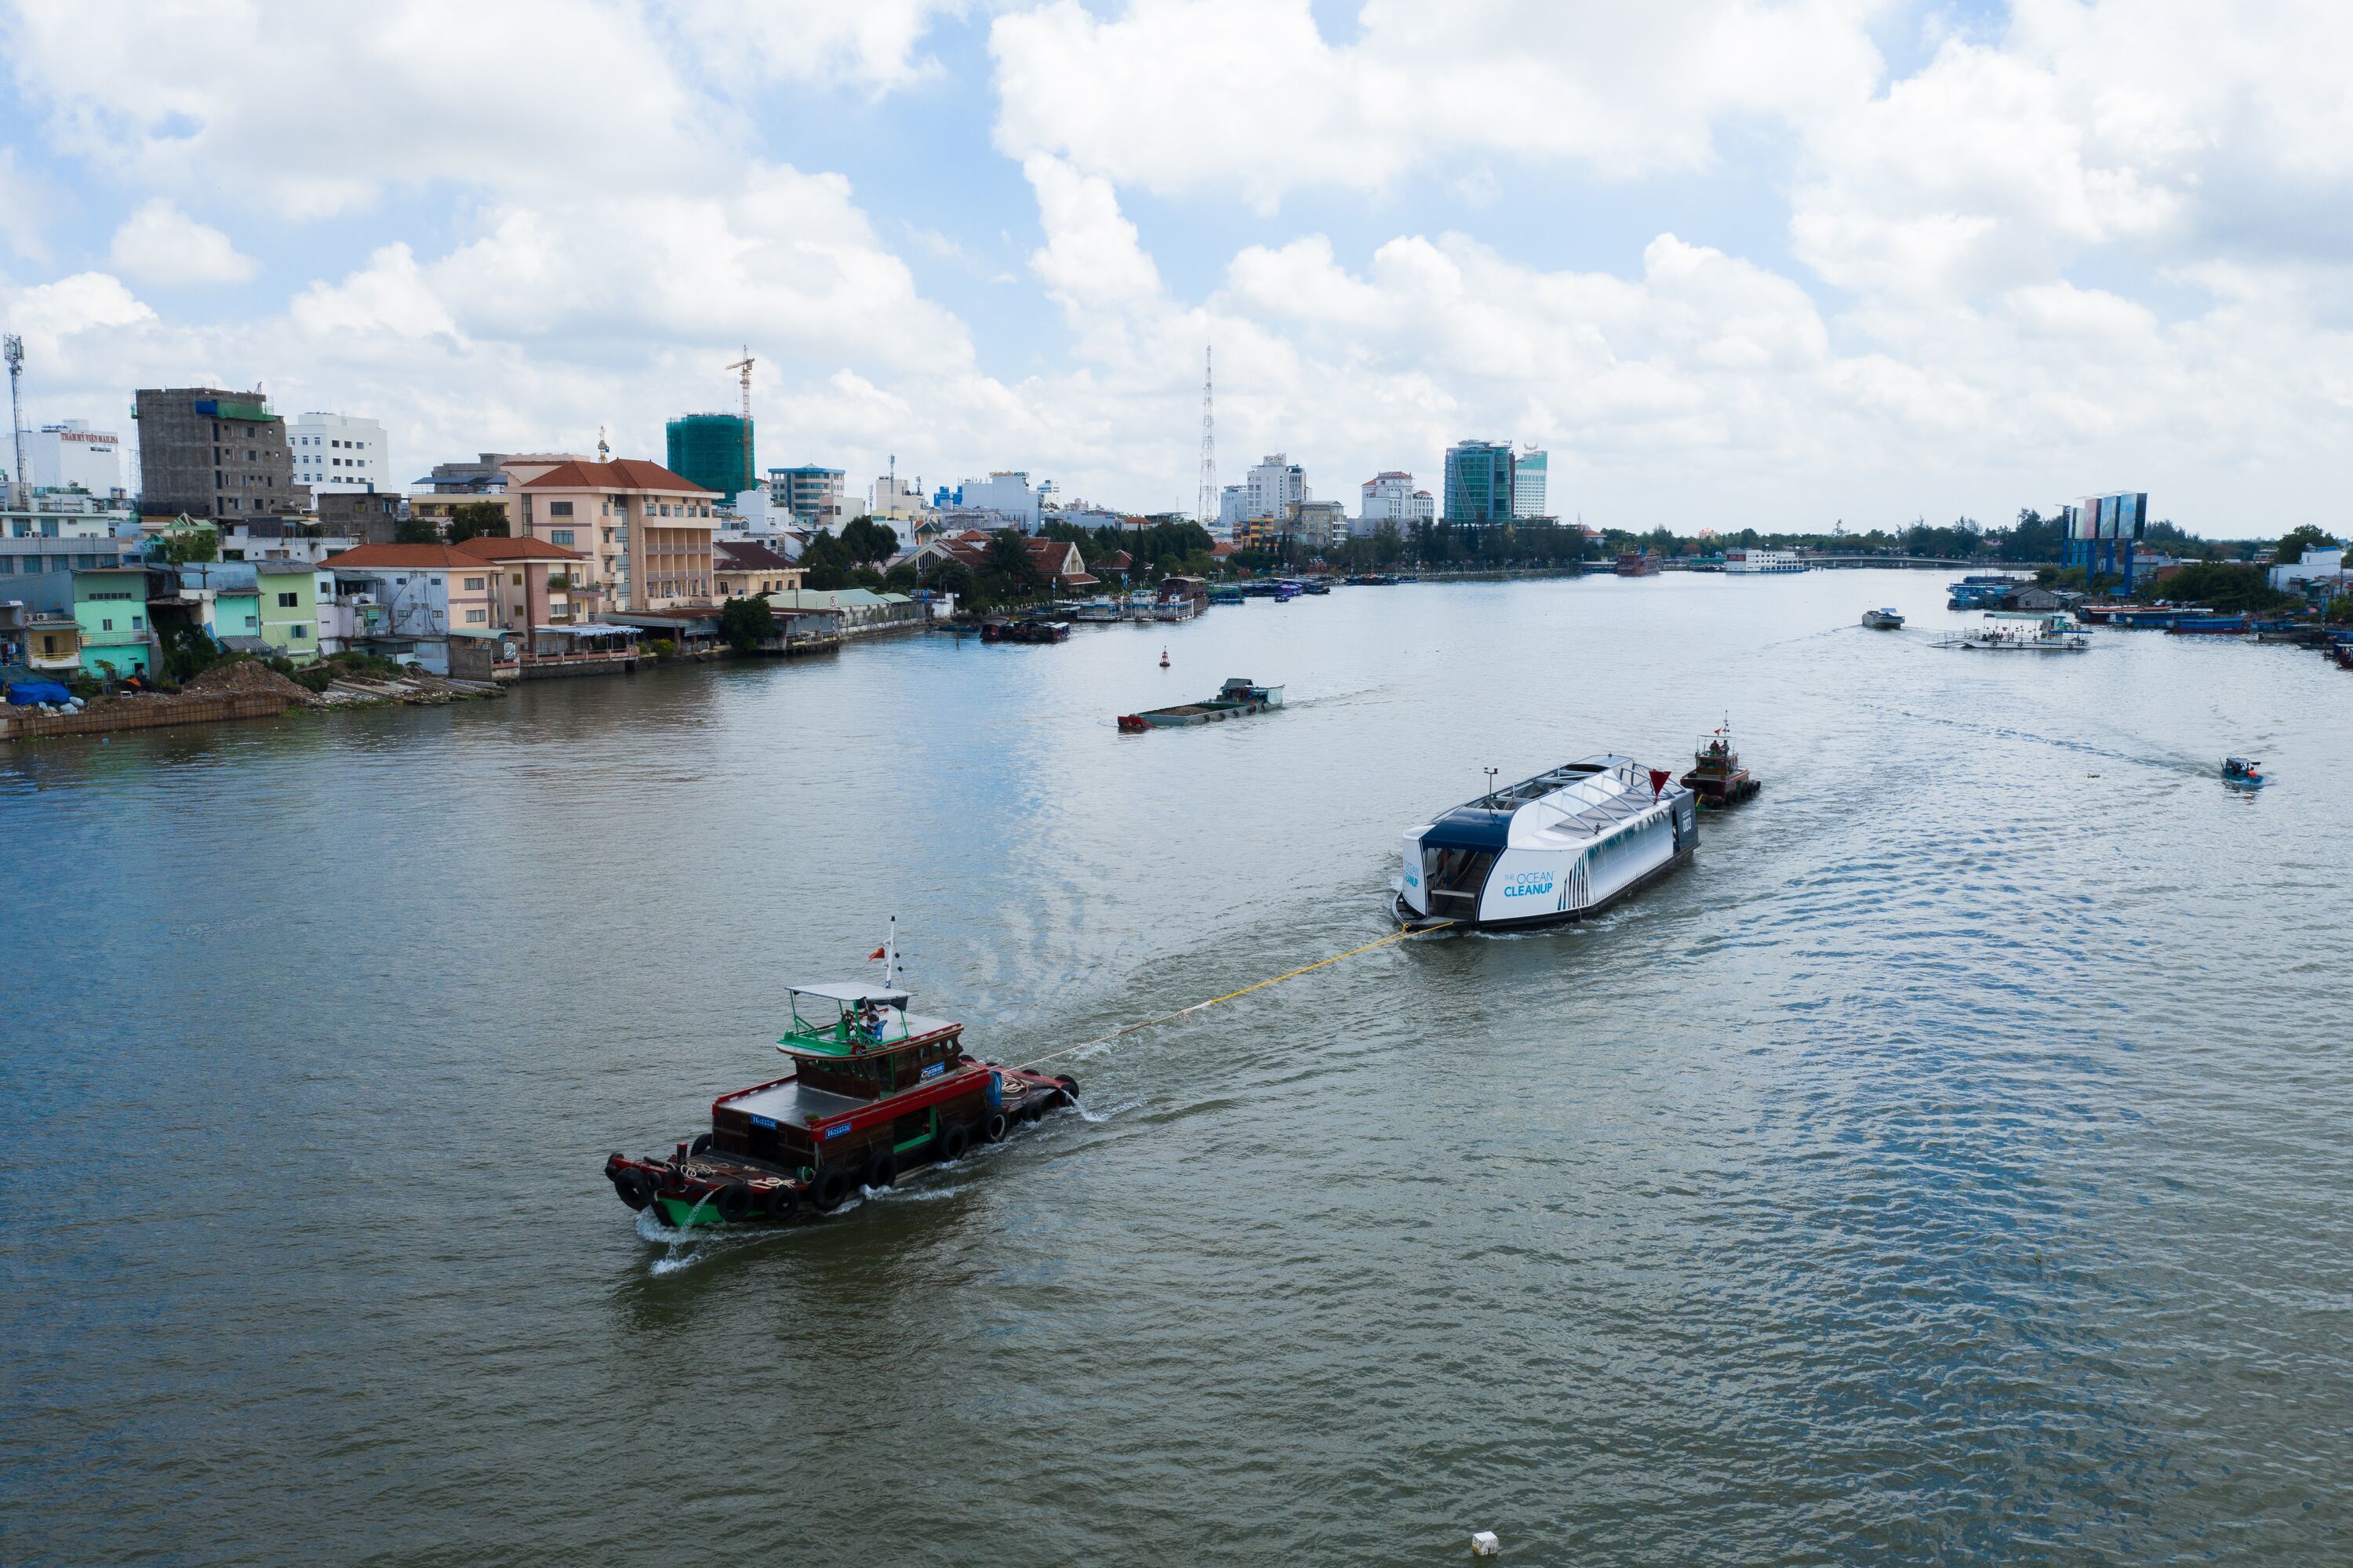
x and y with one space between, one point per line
246 675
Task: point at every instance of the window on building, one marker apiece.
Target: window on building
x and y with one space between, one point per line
518 579
300 632
252 621
559 509
138 623
561 536
288 601
106 623
475 617
474 585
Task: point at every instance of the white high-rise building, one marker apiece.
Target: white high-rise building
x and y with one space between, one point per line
1276 486
58 457
1528 484
1233 502
1007 491
342 453
1390 497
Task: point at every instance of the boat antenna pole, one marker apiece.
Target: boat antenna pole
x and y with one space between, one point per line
890 958
1491 788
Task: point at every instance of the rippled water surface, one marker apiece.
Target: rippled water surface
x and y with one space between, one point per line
1951 1165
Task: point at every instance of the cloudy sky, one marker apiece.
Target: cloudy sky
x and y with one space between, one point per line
1732 262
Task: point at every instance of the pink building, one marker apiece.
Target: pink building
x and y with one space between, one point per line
644 532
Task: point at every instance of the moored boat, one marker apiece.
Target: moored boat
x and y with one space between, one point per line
1882 619
1563 845
1716 778
2042 635
1238 696
2208 625
875 1092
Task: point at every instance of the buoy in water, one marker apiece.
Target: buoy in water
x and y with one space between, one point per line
1483 1544
1164 658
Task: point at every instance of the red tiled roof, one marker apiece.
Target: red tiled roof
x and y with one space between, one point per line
494 547
445 557
621 473
732 555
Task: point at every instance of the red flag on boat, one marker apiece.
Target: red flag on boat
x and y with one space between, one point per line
1659 777
877 956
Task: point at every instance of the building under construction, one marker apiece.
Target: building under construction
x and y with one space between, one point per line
714 451
210 452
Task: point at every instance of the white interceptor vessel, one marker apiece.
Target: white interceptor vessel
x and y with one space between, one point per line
1563 845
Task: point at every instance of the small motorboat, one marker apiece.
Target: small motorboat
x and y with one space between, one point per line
2242 770
1237 697
1882 619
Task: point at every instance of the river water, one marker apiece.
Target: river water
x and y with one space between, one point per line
1948 1166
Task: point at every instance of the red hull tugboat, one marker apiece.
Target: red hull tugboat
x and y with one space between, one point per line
875 1091
1717 776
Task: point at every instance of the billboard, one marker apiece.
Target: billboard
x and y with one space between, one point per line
2123 515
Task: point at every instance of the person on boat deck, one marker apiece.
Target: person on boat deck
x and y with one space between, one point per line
870 1022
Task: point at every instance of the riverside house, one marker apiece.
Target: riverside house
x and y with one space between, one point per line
421 596
534 583
110 604
643 531
287 596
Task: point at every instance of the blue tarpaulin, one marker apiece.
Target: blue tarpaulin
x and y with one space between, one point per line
24 693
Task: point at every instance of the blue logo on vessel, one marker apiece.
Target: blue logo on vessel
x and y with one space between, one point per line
1411 880
935 1069
761 1121
837 1131
1529 884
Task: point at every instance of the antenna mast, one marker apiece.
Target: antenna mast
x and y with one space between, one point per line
20 488
1205 505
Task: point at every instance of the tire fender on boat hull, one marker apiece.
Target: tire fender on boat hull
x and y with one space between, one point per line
632 1187
831 1186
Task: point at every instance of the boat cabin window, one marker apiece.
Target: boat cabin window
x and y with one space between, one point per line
1456 873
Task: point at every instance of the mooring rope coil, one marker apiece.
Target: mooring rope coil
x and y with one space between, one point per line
1277 979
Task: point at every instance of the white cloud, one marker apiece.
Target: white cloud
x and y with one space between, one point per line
869 44
1247 97
161 244
273 105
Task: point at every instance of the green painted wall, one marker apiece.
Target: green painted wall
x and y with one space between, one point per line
113 630
291 628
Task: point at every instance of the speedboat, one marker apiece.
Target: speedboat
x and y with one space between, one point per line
1563 845
1882 619
2242 770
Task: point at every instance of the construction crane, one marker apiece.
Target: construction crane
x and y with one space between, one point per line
744 365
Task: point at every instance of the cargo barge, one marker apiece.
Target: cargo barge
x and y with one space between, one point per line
874 1093
1235 699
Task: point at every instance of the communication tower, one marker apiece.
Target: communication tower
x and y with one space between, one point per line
1205 505
19 488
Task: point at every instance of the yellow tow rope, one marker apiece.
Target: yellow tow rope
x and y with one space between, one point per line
1277 979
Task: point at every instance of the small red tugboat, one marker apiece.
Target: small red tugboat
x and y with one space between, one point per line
875 1091
1717 776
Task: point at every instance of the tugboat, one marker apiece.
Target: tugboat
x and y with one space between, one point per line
2242 770
1237 697
875 1091
1564 845
1717 776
